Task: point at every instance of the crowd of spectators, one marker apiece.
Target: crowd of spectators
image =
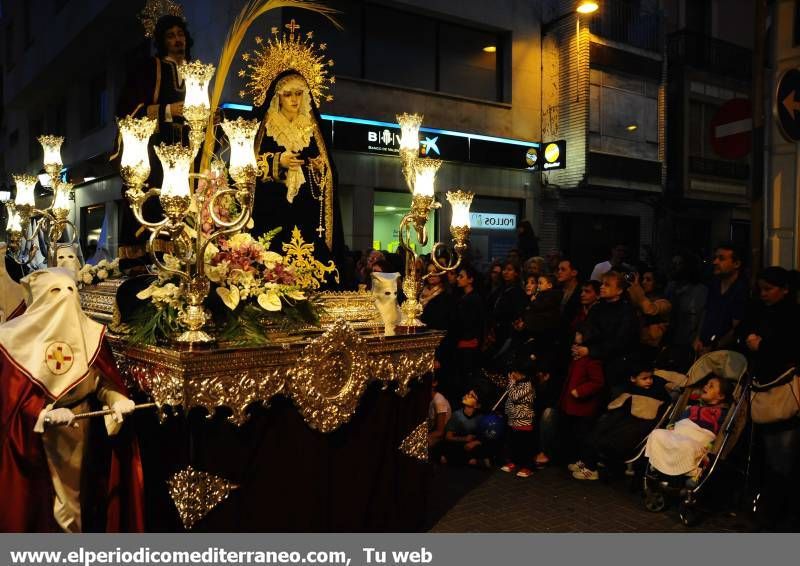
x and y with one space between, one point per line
570 359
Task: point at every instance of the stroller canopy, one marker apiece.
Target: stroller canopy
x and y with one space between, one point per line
724 363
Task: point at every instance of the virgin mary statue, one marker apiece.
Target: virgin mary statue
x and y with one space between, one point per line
298 180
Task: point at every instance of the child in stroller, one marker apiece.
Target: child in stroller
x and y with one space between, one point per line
701 431
681 449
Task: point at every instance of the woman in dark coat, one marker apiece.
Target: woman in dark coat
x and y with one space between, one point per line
439 311
507 308
769 335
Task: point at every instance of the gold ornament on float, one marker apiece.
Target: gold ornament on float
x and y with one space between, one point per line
195 493
415 445
283 52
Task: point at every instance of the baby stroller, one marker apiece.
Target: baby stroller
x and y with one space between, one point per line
657 486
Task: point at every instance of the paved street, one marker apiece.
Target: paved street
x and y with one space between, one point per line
471 500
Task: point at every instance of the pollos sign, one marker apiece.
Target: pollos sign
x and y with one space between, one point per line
492 221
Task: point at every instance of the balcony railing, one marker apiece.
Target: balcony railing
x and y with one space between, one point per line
709 54
630 24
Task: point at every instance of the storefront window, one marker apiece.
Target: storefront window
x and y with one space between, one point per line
91 226
388 211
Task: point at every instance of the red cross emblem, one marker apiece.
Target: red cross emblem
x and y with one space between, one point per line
59 358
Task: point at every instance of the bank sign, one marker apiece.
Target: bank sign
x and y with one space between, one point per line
371 136
492 221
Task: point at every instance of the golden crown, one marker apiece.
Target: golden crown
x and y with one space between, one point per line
282 52
154 10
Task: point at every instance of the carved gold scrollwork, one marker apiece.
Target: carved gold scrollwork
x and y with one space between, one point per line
195 493
325 375
329 378
236 391
415 445
401 368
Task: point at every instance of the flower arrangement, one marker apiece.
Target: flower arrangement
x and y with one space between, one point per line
210 182
93 274
252 287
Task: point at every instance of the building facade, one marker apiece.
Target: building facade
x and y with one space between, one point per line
709 149
603 93
492 85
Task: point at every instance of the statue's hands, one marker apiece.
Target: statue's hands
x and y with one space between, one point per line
176 109
59 417
289 160
121 408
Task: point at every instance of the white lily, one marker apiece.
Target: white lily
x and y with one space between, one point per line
296 294
270 301
229 296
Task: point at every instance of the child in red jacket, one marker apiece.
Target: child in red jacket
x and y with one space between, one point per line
579 404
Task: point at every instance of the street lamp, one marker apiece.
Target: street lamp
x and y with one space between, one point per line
584 8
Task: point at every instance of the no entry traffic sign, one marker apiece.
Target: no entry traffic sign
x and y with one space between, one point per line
731 129
787 104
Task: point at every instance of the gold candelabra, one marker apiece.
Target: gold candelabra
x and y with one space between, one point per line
26 222
420 175
183 205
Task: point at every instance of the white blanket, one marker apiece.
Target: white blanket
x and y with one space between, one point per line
678 451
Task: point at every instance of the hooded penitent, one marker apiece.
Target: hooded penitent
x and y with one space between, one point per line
12 299
53 357
53 343
67 257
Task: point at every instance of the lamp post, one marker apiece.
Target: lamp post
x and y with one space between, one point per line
26 222
196 105
182 205
420 175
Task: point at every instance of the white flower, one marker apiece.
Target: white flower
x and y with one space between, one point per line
87 278
296 294
217 273
172 262
270 301
102 274
146 293
270 259
239 240
102 263
229 296
211 251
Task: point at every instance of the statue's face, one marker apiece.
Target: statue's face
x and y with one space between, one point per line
175 41
290 95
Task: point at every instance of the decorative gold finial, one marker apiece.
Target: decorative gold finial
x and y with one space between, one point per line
288 51
292 27
154 10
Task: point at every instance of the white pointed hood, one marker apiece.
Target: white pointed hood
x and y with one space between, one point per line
12 297
67 257
53 342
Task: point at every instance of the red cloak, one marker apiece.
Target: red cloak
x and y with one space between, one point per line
26 504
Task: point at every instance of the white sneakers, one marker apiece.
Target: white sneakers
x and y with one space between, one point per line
586 474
